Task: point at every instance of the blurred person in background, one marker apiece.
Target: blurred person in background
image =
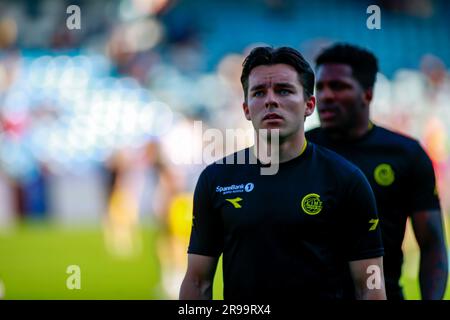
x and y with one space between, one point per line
16 190
286 235
171 205
126 169
139 182
398 169
182 145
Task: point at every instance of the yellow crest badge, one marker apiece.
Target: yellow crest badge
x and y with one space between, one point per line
311 204
384 174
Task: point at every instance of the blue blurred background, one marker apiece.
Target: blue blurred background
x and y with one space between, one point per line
96 139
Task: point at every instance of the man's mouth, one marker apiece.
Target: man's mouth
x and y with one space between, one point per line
272 116
327 113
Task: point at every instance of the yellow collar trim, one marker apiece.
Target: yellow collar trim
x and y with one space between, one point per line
305 143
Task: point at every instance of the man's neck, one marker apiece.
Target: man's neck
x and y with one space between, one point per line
287 149
352 133
291 149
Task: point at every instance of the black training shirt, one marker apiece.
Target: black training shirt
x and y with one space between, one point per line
403 181
288 235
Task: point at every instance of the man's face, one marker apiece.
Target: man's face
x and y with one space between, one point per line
275 100
341 101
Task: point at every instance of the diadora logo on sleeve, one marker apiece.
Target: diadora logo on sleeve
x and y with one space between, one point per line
235 188
374 224
311 204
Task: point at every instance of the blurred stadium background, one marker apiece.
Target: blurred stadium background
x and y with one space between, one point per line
96 124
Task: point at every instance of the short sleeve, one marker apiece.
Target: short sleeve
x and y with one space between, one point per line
421 185
362 235
207 228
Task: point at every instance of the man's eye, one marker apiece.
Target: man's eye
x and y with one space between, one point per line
284 92
258 93
337 86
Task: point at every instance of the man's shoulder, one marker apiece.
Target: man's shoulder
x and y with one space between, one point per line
233 161
388 136
409 147
332 159
313 134
336 167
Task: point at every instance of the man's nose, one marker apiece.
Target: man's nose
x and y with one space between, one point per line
271 99
325 94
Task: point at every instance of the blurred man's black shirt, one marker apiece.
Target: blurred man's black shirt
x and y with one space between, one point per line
402 178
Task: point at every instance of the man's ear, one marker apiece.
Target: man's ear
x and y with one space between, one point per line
310 106
246 111
367 96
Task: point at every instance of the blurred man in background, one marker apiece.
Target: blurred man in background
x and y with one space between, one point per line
141 182
398 169
294 233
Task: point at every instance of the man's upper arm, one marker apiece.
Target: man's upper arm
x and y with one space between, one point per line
368 278
433 273
420 186
427 222
199 278
428 228
425 207
203 267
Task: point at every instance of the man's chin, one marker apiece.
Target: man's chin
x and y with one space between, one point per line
274 132
335 131
328 125
270 132
271 128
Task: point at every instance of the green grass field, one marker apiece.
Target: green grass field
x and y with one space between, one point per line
34 259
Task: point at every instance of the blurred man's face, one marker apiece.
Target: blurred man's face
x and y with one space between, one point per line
275 100
341 101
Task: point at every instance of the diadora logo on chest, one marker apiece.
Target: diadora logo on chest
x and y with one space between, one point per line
236 188
384 174
311 204
235 202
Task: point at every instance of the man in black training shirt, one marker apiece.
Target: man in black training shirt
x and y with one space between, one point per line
292 234
398 169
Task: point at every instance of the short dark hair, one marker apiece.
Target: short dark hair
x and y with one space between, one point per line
286 55
364 64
